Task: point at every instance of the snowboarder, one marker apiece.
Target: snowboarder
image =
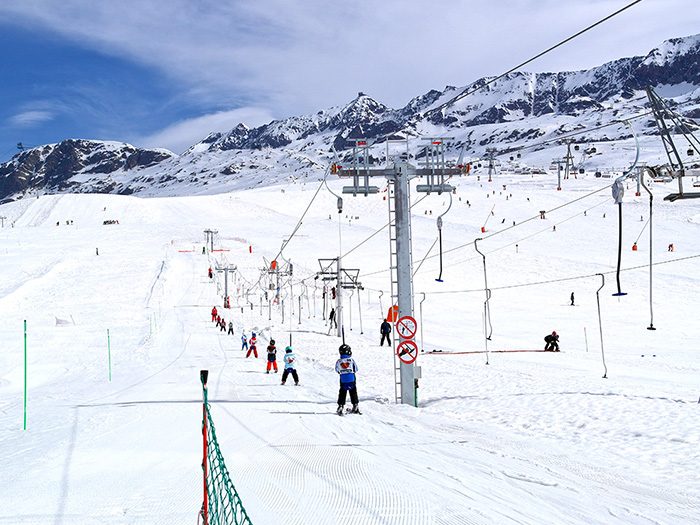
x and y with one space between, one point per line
253 348
290 365
230 328
552 341
214 313
244 342
385 330
271 356
572 299
346 367
210 273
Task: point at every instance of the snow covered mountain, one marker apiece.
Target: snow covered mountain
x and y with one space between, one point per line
519 109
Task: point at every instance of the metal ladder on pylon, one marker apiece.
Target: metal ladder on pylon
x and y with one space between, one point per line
393 264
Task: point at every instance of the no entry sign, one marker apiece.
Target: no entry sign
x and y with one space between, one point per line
407 351
406 327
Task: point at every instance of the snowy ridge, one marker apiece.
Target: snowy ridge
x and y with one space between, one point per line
518 110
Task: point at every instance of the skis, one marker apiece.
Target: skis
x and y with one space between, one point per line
342 412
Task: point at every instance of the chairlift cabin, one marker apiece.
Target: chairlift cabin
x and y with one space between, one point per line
691 152
518 155
581 171
576 147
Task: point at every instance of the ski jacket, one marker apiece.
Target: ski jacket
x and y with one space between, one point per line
230 325
271 353
290 361
386 328
347 368
244 340
214 311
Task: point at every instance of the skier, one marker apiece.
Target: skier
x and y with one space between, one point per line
331 318
552 341
214 313
253 339
346 367
271 356
230 328
210 273
222 325
385 330
244 342
253 348
290 366
218 319
572 299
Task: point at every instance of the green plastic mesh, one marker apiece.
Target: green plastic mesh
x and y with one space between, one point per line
225 505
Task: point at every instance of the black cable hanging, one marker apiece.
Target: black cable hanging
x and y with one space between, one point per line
439 226
618 192
600 324
487 309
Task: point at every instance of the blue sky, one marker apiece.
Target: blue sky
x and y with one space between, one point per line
165 73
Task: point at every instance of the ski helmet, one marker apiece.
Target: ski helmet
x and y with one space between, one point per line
553 332
345 349
288 349
272 341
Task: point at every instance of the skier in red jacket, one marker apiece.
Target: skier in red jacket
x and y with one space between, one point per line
214 313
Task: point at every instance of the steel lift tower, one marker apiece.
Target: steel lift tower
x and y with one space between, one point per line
399 173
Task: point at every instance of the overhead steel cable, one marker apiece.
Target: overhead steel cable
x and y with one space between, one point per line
468 92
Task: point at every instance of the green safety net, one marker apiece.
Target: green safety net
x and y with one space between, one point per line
224 504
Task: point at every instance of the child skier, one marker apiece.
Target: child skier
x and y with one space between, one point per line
230 328
346 367
290 366
271 356
244 342
253 348
222 325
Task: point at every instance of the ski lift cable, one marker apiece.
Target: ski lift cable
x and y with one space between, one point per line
562 279
642 231
556 208
468 92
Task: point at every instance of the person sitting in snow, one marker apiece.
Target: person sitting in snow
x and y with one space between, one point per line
552 341
290 363
346 367
271 356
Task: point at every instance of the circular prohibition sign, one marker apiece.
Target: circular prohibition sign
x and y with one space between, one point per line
407 351
407 327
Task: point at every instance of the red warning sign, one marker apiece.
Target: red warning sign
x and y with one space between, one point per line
407 351
406 327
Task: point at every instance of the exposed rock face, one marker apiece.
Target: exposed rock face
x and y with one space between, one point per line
518 107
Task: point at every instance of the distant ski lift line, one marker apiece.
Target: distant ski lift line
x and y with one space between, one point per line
579 33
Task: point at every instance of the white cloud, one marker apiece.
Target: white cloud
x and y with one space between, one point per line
27 119
300 56
181 135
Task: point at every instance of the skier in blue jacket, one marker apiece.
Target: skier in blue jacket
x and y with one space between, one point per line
346 367
290 364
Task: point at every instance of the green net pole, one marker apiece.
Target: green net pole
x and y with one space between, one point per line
109 356
25 375
203 374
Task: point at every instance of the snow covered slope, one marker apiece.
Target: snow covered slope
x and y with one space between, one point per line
521 109
531 438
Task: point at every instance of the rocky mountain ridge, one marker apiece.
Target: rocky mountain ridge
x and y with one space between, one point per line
516 110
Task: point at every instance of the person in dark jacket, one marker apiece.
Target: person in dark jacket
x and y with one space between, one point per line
572 299
385 331
271 356
347 368
552 341
230 328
